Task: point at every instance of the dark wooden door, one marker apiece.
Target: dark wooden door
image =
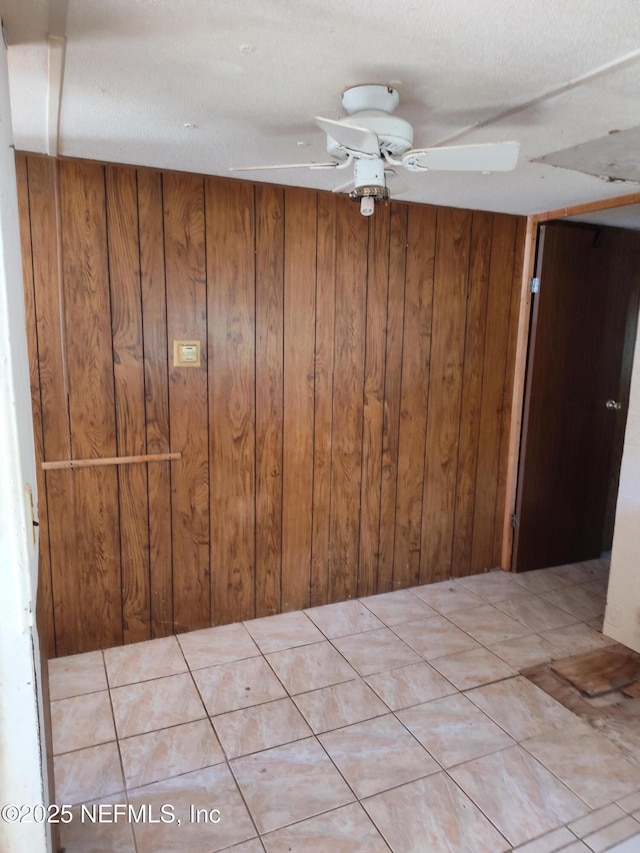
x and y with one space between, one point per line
583 332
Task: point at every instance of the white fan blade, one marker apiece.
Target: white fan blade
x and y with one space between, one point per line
354 138
284 166
343 188
490 157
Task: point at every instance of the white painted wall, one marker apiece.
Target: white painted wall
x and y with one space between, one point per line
622 617
21 763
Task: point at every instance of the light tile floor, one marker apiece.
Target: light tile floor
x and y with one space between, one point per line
398 722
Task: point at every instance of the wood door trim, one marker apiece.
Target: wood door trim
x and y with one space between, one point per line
515 432
526 398
110 460
522 345
588 207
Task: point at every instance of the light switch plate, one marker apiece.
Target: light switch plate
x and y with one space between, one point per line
186 353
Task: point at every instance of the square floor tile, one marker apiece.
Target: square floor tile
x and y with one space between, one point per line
144 661
377 754
573 572
587 762
344 830
285 631
435 637
81 835
409 685
310 667
81 721
596 820
161 754
432 815
521 708
523 652
156 704
454 730
578 601
536 613
201 792
550 842
604 839
488 624
447 596
343 618
339 705
598 568
539 580
597 623
575 640
260 727
76 674
630 803
493 586
213 646
238 684
394 608
472 668
599 585
88 774
523 800
252 846
375 651
289 783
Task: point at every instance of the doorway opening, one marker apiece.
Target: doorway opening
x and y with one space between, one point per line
583 326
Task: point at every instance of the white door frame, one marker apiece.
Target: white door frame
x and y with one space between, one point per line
23 773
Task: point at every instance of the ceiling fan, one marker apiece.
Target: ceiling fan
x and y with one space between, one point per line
374 141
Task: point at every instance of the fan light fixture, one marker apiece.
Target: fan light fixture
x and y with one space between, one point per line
367 205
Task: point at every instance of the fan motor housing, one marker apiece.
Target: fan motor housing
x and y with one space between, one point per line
370 96
369 180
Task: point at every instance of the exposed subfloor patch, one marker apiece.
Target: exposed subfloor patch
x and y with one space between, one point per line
601 671
602 687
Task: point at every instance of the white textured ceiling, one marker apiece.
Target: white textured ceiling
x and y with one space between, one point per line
201 85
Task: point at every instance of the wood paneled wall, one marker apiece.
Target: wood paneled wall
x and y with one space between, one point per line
345 434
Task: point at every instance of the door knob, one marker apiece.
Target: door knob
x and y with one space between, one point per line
613 405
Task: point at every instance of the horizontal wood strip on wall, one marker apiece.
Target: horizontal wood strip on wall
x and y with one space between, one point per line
342 436
112 460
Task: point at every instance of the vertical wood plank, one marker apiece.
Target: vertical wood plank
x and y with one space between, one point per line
445 389
346 447
231 306
156 388
323 395
421 236
500 287
269 390
45 230
507 392
298 435
93 590
477 287
392 387
128 372
56 438
373 413
45 602
185 270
